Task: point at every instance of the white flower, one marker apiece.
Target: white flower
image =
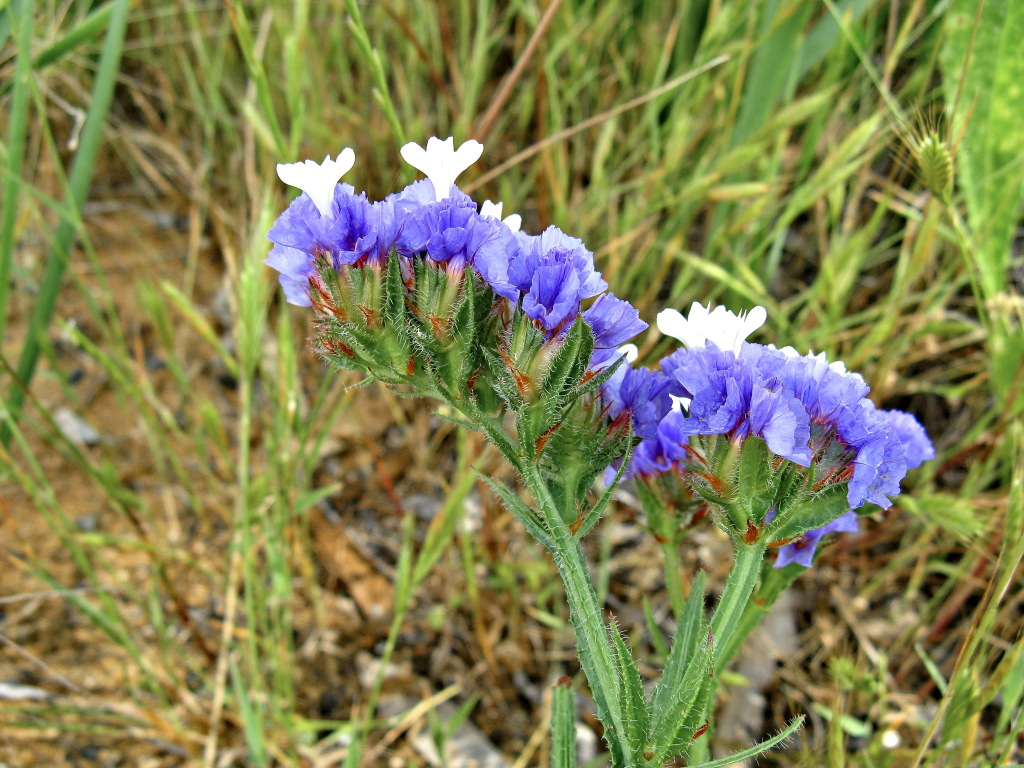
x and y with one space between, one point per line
491 210
441 162
318 179
723 328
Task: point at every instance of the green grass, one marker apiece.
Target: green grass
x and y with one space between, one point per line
784 172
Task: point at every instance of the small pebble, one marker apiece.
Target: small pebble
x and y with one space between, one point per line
76 429
87 523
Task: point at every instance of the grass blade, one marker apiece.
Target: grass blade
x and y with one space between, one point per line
15 151
993 145
78 187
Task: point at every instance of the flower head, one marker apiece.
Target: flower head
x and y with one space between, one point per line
553 299
440 162
663 454
613 321
917 448
806 409
824 388
640 392
549 248
451 232
725 329
318 179
304 227
731 395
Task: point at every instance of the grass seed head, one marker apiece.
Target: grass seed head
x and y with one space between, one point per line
935 165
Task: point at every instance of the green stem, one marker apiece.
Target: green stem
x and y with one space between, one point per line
595 651
676 598
726 621
82 167
774 582
738 588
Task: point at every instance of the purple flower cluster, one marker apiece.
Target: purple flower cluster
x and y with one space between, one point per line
730 394
450 233
547 275
803 408
806 410
640 392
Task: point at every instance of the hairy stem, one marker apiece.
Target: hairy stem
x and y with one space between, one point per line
738 589
595 650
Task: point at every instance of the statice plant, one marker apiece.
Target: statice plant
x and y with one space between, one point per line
436 297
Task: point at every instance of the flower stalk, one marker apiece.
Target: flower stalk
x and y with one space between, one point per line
597 657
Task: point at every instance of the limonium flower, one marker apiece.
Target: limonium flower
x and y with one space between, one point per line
802 406
807 410
296 269
553 273
802 550
304 226
355 230
640 392
730 395
452 233
545 278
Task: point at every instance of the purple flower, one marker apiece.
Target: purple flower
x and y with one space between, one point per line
295 267
778 418
356 233
640 392
666 452
881 445
553 299
878 460
552 247
824 389
731 395
916 446
364 233
452 233
437 228
301 226
416 195
791 401
801 551
353 233
613 321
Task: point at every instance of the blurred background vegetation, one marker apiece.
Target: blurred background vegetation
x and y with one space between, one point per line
214 553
